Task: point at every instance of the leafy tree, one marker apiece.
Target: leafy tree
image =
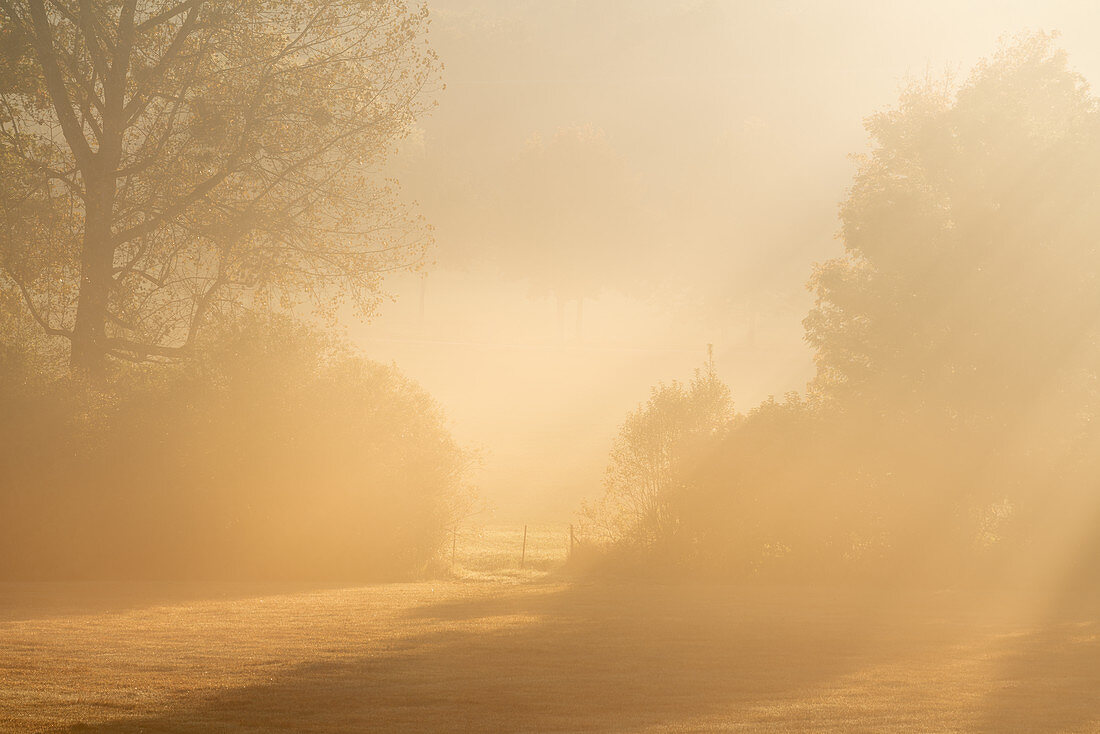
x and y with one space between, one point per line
652 456
961 319
790 491
969 239
166 161
952 424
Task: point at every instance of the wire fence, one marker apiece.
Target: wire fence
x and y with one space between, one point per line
510 549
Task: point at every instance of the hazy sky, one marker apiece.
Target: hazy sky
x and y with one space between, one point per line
687 158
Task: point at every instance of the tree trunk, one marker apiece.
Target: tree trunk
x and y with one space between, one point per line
88 357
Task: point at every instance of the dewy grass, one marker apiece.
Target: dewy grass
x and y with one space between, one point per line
546 655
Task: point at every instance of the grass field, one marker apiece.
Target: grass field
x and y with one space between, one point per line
520 651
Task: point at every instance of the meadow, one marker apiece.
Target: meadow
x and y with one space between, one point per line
529 650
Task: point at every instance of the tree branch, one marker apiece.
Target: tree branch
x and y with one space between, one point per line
42 40
41 320
167 15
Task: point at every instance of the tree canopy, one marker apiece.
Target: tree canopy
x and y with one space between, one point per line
962 318
971 261
168 161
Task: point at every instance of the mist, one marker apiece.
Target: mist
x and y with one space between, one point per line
375 365
735 125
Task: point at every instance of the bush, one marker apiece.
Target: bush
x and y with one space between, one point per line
276 453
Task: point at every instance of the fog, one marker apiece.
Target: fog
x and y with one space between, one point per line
736 123
515 365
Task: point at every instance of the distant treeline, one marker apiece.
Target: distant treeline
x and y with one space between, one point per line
276 453
953 428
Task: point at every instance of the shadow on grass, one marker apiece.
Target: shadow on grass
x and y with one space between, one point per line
620 658
1047 681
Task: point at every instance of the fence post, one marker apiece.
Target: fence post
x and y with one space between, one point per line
523 556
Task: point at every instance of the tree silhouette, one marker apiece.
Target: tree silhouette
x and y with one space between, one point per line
962 318
969 240
652 458
167 162
276 452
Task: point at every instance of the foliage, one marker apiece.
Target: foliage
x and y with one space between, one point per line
657 446
961 318
951 429
968 238
276 453
167 162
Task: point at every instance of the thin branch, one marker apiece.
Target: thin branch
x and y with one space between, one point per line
167 15
42 322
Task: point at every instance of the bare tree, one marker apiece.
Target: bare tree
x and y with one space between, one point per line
166 161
